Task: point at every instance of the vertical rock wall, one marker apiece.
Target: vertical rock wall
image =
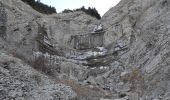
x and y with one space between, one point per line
87 41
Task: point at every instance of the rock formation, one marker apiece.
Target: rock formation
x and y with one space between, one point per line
73 56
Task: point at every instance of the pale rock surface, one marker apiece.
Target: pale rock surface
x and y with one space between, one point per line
20 81
143 27
125 55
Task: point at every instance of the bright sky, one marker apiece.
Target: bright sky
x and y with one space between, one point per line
101 5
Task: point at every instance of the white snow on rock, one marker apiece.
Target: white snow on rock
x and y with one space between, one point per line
102 67
102 51
98 28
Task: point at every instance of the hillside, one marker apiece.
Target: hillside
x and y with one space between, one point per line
73 56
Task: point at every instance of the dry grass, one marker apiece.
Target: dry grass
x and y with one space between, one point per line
135 78
84 92
40 64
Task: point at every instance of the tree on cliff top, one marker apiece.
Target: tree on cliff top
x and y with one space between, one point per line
40 7
90 11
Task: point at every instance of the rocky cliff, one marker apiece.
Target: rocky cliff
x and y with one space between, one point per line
123 56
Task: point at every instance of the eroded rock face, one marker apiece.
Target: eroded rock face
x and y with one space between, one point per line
20 81
142 27
123 56
30 35
87 41
68 29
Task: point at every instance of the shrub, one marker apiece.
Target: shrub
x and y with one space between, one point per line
43 65
135 78
67 11
90 11
40 7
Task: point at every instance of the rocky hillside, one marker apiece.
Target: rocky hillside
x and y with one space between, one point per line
73 56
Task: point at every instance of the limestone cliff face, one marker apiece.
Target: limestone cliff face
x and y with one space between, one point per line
123 56
47 44
143 27
28 29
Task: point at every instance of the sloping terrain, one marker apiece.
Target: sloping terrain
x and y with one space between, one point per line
142 27
123 56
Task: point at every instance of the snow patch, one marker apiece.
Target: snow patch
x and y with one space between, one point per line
54 59
102 67
98 28
102 51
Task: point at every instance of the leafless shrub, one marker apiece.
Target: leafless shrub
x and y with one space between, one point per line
41 64
84 92
135 78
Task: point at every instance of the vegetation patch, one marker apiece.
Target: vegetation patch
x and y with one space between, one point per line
90 11
40 7
135 78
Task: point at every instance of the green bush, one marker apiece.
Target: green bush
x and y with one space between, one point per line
40 7
90 11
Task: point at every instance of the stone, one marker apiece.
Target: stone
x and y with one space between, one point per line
133 96
105 99
87 41
132 39
21 82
